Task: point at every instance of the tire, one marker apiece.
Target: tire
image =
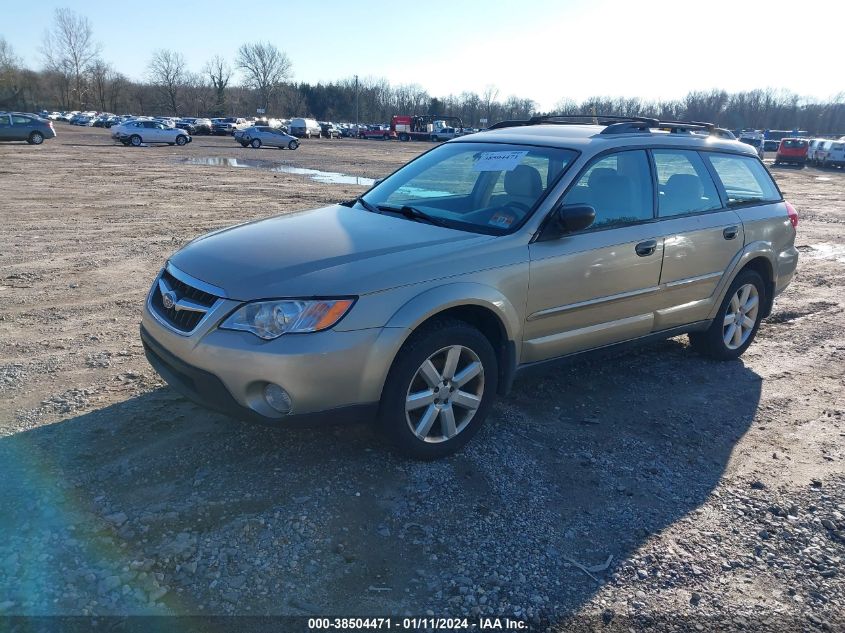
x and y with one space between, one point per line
404 137
712 342
293 145
386 137
255 143
35 138
433 347
181 140
135 140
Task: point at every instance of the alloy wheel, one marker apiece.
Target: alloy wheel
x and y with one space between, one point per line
444 394
741 316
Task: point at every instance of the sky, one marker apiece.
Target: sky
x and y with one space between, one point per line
546 50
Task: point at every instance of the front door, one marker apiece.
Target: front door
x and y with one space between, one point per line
596 287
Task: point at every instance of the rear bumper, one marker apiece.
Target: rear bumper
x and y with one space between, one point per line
207 390
785 158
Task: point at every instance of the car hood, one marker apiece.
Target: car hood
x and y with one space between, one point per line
334 250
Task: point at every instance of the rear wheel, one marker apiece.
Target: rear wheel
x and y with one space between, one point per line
135 140
36 138
256 143
439 390
737 321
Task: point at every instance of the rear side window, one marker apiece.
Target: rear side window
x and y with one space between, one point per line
618 187
744 178
20 120
684 185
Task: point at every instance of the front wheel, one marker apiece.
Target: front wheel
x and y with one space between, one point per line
439 390
256 143
181 140
293 144
36 138
737 321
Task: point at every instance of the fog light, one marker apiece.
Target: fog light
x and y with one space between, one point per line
277 398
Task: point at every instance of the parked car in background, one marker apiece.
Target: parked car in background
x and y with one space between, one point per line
330 130
445 134
831 154
228 125
195 126
411 305
812 147
771 145
792 150
259 135
138 132
19 126
754 139
382 132
304 128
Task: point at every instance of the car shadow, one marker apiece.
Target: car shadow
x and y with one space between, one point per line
153 505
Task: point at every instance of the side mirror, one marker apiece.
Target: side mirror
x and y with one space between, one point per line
575 217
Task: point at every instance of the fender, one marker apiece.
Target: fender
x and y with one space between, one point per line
430 302
752 250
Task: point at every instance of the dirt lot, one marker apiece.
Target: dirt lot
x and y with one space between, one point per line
717 489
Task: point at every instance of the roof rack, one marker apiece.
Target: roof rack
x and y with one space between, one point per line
616 124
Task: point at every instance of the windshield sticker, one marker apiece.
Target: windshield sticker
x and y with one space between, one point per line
498 161
502 220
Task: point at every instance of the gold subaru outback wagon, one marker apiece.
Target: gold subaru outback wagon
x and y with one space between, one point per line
417 303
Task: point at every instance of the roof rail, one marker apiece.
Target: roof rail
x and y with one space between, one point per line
616 124
582 119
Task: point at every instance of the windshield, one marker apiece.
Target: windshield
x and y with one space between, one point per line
482 187
793 143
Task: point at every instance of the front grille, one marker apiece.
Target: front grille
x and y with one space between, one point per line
182 320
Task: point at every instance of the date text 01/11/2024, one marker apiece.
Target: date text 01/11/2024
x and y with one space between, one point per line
414 624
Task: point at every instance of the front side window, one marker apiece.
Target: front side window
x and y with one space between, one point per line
744 178
618 187
482 187
684 185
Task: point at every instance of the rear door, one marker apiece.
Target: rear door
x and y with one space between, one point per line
701 236
22 126
596 287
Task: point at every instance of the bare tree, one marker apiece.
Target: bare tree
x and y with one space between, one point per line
69 49
100 72
169 74
266 67
219 73
488 98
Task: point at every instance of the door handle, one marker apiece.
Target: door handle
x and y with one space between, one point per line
730 232
644 249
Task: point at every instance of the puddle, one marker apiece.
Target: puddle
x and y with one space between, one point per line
325 177
825 250
823 178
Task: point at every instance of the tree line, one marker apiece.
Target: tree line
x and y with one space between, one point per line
74 76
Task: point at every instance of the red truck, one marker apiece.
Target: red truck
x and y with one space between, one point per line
376 131
420 127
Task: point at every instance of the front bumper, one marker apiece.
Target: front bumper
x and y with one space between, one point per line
330 374
207 390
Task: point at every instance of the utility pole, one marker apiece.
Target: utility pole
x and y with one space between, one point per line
356 101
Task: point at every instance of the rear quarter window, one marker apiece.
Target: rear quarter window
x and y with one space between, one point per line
744 178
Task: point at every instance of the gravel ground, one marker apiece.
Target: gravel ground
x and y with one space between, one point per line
647 490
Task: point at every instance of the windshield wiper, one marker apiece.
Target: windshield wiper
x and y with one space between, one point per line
412 213
366 205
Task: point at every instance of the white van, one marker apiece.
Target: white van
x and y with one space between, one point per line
812 148
831 153
304 128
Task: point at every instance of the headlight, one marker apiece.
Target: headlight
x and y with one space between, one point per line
271 319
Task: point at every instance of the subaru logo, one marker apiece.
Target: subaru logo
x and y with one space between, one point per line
168 299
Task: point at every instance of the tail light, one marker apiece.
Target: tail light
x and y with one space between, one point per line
793 215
